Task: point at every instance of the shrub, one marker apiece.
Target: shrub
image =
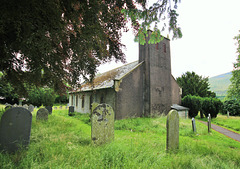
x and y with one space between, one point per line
232 106
193 103
211 106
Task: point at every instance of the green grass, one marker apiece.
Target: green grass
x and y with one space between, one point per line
231 123
65 142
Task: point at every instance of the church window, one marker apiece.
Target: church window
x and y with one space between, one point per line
76 100
91 101
156 46
72 101
102 99
164 48
83 101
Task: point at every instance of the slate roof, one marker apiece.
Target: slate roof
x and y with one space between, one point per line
178 107
106 80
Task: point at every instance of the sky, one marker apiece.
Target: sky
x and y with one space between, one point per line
207 46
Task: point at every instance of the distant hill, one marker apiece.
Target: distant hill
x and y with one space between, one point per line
219 84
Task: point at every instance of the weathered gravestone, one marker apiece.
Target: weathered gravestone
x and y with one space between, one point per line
25 106
55 108
31 108
194 125
49 108
209 123
71 111
15 129
102 124
227 114
172 130
42 114
60 107
15 105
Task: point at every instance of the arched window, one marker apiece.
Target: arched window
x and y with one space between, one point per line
83 101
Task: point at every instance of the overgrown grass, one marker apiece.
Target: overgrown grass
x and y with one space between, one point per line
65 142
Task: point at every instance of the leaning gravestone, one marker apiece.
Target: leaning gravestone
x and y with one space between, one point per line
15 129
172 130
194 125
49 108
31 108
71 111
42 114
102 124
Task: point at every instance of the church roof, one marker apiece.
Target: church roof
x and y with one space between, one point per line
106 80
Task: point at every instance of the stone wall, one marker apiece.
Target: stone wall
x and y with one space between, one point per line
176 92
129 97
157 77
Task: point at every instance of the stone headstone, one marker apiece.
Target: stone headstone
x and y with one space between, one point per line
71 111
209 123
8 107
42 114
15 105
49 108
102 124
31 108
35 107
55 108
228 114
15 129
172 130
194 125
60 107
25 106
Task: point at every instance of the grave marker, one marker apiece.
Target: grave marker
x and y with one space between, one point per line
228 114
49 108
172 130
194 125
42 114
15 129
71 111
102 124
31 108
25 106
209 123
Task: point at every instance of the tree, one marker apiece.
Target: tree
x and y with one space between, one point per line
59 42
195 85
234 88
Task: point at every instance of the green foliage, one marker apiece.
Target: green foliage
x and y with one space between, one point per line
234 88
7 91
195 85
232 106
49 43
193 103
41 96
62 99
211 106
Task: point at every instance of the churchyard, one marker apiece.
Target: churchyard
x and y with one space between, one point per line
64 141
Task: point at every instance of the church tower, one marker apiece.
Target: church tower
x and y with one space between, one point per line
157 88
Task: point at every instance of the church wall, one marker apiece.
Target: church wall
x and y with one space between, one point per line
129 98
82 100
176 92
157 77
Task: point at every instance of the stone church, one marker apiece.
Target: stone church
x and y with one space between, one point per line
142 88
